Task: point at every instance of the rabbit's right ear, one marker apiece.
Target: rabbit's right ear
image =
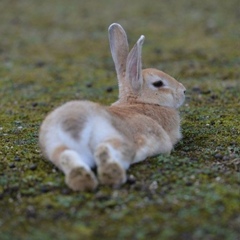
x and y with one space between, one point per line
134 66
119 48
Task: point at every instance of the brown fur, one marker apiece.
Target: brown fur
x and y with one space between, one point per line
72 124
134 119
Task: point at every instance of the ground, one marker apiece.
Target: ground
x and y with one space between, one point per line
55 51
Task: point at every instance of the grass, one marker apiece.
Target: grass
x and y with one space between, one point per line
55 51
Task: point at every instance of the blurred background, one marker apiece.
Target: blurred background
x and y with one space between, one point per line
184 38
53 51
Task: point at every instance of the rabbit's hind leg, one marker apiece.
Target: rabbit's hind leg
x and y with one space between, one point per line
78 175
112 159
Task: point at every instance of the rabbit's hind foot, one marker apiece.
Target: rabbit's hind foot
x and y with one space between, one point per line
78 175
110 172
81 179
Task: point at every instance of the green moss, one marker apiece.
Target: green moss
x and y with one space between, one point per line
52 52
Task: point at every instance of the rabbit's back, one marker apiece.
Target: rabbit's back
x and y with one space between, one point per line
83 125
148 118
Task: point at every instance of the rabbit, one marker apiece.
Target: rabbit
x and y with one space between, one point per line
82 135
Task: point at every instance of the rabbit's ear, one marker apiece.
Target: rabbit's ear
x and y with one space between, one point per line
134 66
119 48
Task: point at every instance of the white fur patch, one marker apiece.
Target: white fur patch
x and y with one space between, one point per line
96 130
69 160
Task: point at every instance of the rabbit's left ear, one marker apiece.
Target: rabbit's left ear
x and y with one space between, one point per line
119 48
134 66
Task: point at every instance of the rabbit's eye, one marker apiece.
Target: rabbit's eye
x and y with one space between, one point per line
158 84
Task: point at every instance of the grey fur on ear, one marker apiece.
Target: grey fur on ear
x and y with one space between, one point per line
119 48
134 66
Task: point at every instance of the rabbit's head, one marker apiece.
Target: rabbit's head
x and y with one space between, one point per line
150 85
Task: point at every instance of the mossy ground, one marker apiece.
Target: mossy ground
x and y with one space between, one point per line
55 51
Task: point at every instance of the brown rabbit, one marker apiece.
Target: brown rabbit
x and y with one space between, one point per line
144 122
